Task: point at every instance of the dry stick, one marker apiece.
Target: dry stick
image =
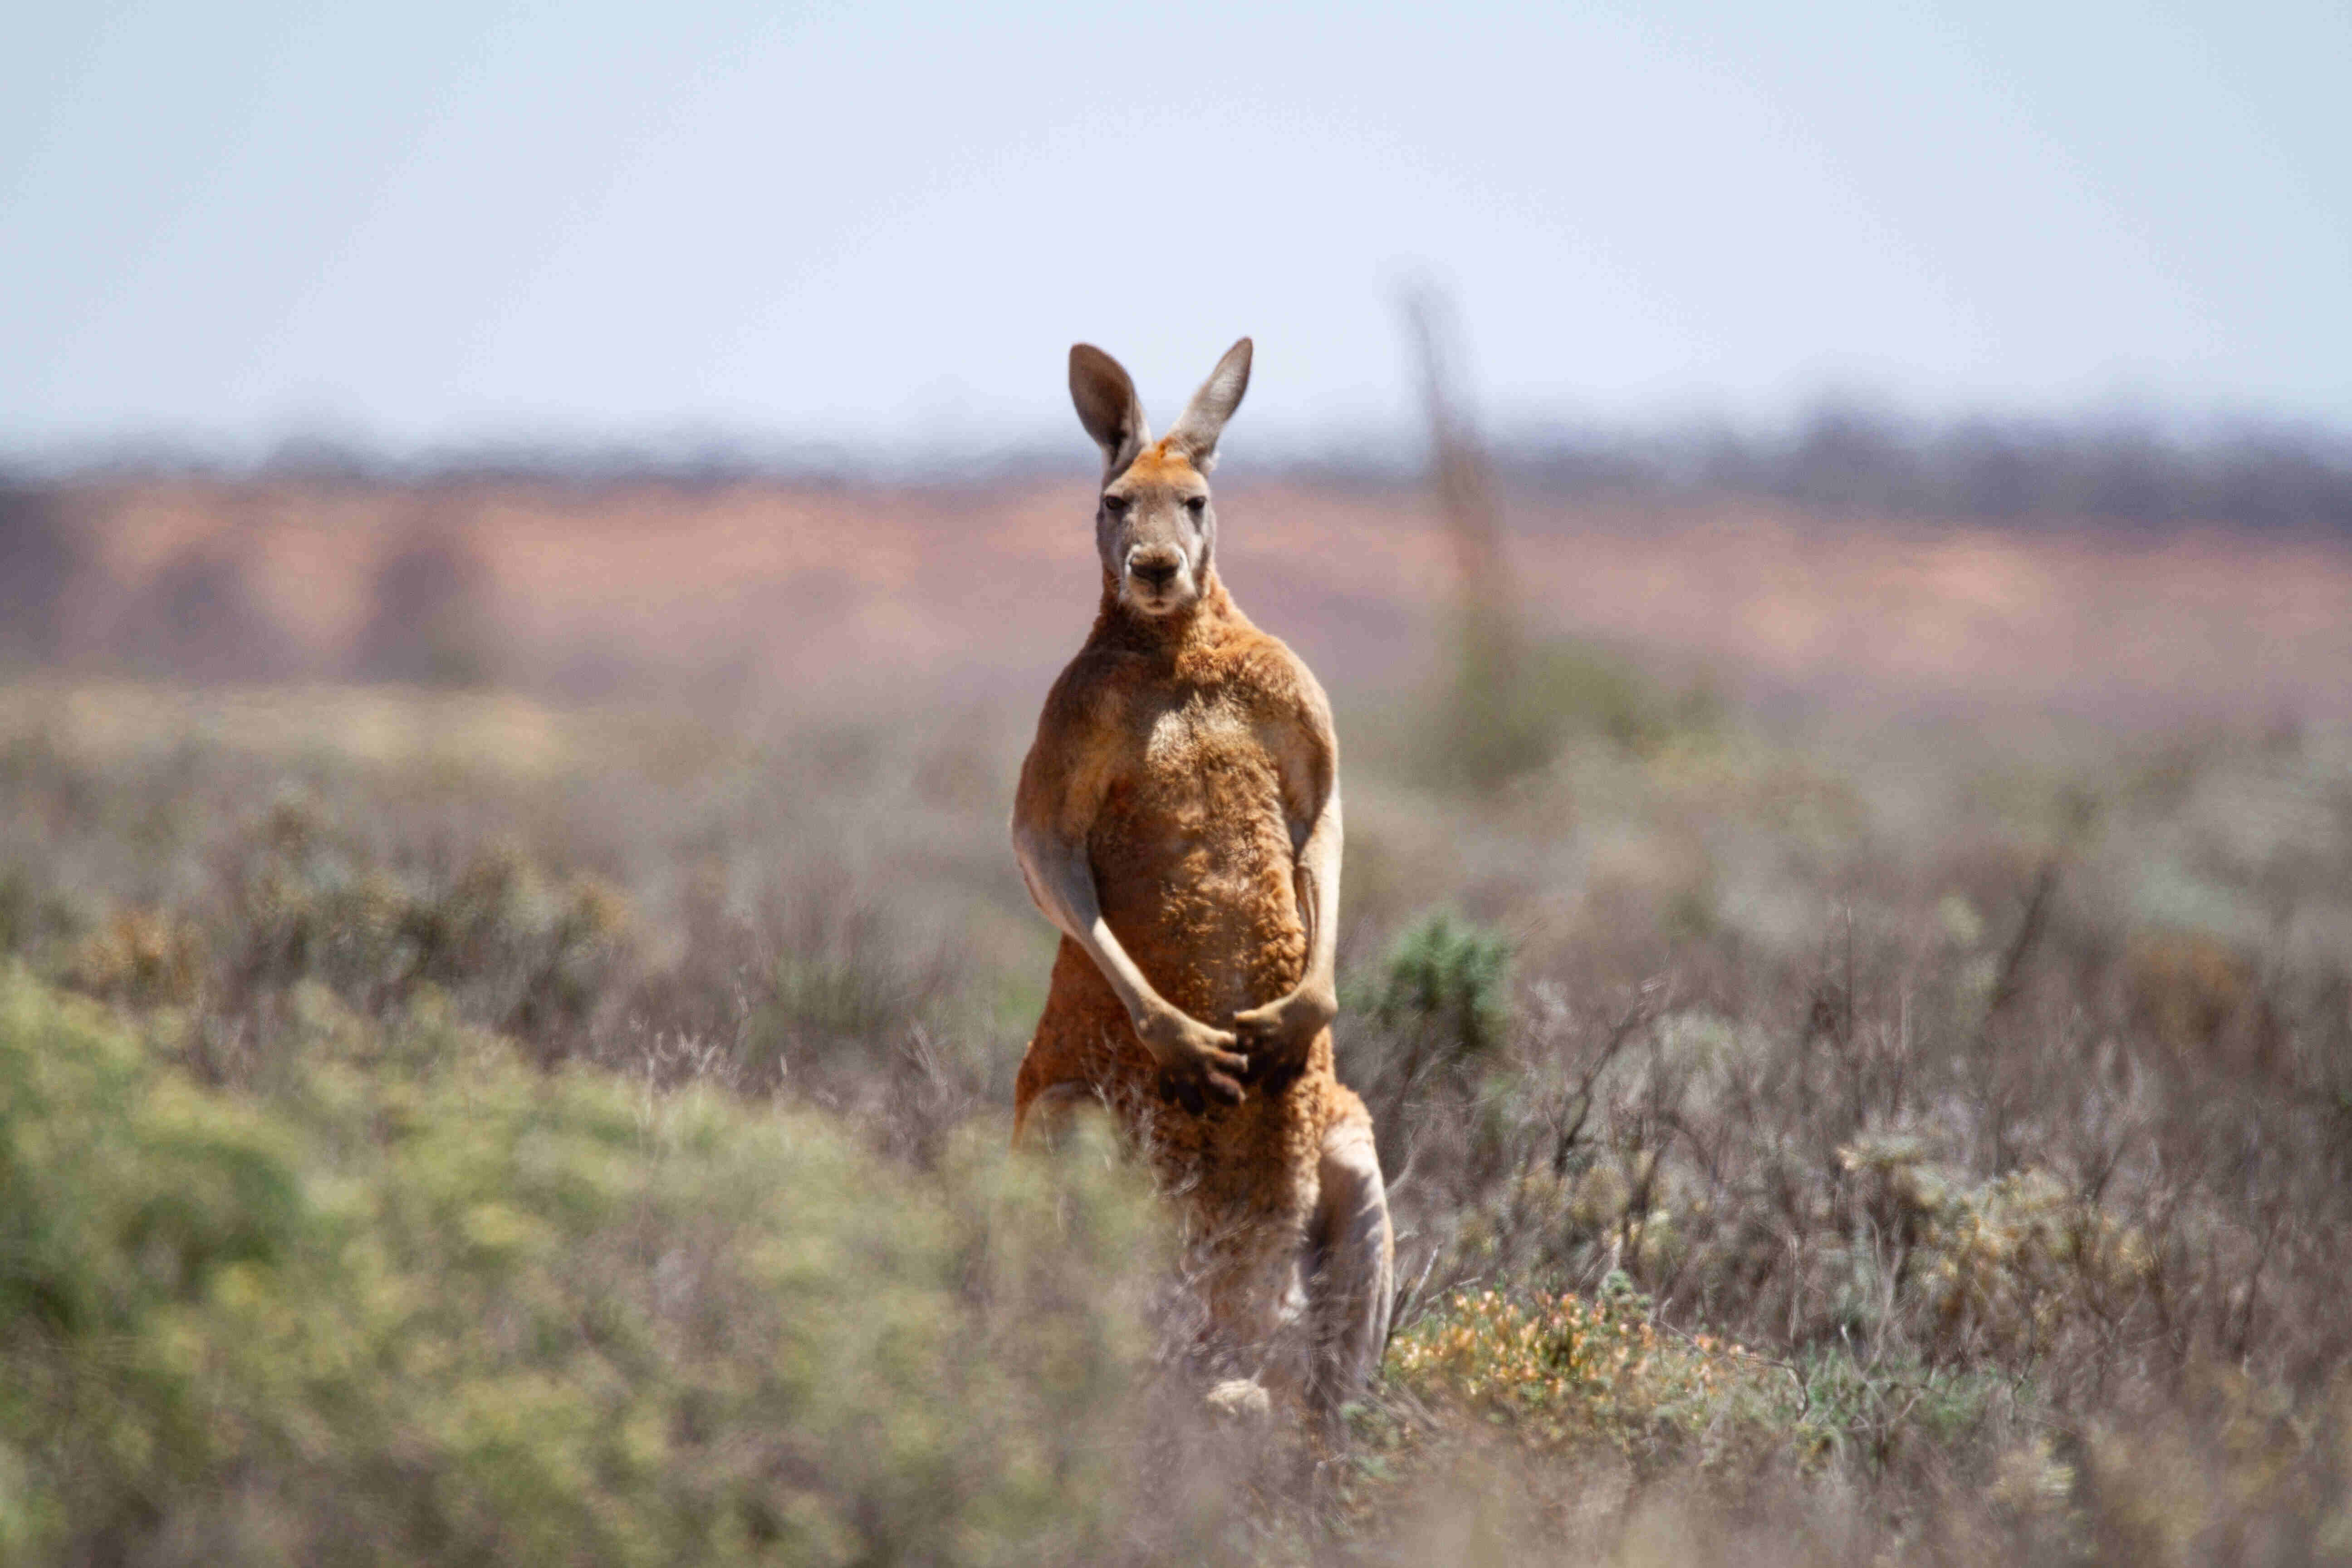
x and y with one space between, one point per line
1409 1080
2254 1280
2006 983
1465 492
1408 1298
1488 640
2029 933
1848 1041
1567 1131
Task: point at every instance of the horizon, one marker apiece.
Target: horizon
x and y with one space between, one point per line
1685 453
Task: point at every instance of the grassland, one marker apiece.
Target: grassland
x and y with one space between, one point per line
450 1127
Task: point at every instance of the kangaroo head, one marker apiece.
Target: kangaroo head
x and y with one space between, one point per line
1154 527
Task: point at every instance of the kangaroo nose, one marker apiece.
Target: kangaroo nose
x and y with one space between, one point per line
1154 571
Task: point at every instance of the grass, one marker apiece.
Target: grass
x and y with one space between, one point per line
1918 1146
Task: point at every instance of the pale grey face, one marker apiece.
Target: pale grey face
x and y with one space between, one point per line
1154 526
1157 532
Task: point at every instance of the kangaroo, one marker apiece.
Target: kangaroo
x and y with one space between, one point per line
1177 818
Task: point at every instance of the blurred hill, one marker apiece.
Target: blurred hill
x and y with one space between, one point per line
1856 559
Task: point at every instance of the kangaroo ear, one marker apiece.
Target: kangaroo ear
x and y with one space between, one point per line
1107 405
1204 417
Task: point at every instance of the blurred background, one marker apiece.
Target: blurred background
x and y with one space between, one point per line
1943 350
532 541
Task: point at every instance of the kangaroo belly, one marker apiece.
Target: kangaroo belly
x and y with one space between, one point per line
1194 869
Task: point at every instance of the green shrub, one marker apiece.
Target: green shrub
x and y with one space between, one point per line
1447 976
422 1304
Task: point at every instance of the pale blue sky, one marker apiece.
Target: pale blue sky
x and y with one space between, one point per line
449 221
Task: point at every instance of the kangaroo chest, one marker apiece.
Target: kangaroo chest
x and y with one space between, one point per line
1192 855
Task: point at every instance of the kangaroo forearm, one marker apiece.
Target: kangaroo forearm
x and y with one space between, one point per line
1319 898
1062 886
1126 982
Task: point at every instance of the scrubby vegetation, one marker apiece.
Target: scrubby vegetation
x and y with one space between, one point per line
578 1135
417 1304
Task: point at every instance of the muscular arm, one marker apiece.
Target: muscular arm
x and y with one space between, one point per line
1319 900
1052 815
1306 751
1063 885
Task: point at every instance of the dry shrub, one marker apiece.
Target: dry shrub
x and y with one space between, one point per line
143 958
1565 1374
526 953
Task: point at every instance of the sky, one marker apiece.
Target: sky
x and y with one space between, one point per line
458 221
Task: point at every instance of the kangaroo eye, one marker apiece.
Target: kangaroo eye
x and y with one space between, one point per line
1196 504
1114 504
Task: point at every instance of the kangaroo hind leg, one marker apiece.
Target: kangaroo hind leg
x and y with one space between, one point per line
1045 1120
1352 1254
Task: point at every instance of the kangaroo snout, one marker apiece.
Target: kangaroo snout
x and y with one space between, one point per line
1155 568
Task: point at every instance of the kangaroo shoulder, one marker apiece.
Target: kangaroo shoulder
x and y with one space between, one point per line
1092 691
1075 755
1280 689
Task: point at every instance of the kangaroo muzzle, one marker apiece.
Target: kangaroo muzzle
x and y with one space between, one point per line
1157 575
